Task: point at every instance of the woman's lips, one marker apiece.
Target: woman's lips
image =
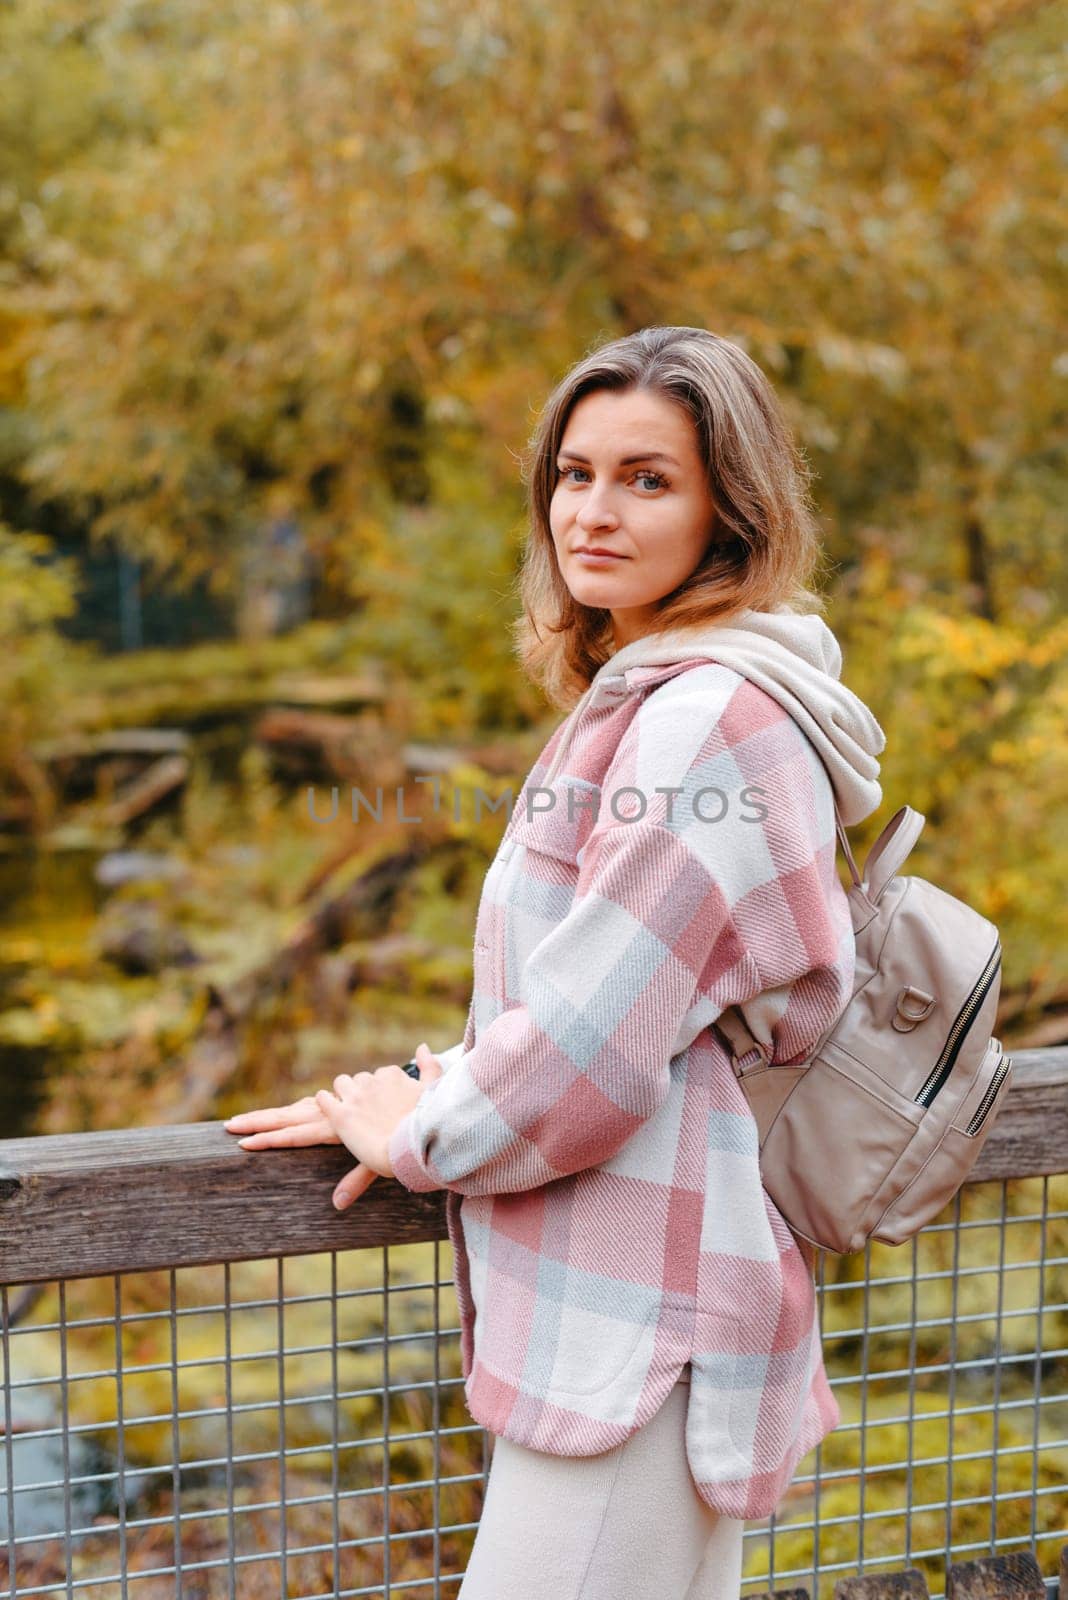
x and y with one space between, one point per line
589 559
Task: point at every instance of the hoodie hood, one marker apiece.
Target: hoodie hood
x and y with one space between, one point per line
795 658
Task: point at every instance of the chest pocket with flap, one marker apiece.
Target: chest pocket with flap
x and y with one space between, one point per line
560 830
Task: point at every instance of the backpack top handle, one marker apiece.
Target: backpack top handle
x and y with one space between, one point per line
891 849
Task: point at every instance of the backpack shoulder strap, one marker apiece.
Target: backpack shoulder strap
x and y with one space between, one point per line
847 849
747 1052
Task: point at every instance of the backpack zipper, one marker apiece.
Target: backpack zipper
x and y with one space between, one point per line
990 1096
951 1049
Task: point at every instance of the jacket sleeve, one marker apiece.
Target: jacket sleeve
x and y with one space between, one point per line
562 1080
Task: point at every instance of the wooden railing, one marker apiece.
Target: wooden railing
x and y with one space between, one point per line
116 1204
181 1196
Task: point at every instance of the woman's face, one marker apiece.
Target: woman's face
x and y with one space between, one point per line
630 480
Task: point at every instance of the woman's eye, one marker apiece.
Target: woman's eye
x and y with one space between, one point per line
655 479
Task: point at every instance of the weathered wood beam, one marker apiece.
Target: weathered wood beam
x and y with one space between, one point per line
78 1205
1011 1577
81 1205
909 1584
1030 1140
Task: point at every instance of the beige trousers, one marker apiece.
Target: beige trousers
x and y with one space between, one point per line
626 1523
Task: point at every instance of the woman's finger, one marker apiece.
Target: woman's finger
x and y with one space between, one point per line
330 1107
428 1063
342 1084
303 1110
352 1185
292 1138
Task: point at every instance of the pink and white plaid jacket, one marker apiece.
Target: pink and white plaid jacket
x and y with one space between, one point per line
669 854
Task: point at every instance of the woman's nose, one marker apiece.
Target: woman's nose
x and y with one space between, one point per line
596 510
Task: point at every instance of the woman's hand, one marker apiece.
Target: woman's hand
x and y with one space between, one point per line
283 1127
363 1111
361 1114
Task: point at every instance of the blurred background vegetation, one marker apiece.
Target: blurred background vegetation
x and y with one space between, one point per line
281 291
282 288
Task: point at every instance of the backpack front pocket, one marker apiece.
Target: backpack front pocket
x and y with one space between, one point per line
849 1125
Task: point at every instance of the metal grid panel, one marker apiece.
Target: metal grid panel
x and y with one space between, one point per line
247 1429
949 1359
297 1426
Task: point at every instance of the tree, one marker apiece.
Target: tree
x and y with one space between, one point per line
354 220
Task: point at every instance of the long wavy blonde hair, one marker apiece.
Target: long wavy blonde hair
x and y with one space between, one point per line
768 550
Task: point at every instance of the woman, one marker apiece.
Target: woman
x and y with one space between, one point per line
638 1323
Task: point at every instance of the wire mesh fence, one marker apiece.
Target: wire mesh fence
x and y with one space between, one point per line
295 1425
948 1358
246 1429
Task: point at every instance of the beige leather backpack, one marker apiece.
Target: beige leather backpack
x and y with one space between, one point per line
876 1131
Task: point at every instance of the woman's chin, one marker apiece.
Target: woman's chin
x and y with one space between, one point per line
599 589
